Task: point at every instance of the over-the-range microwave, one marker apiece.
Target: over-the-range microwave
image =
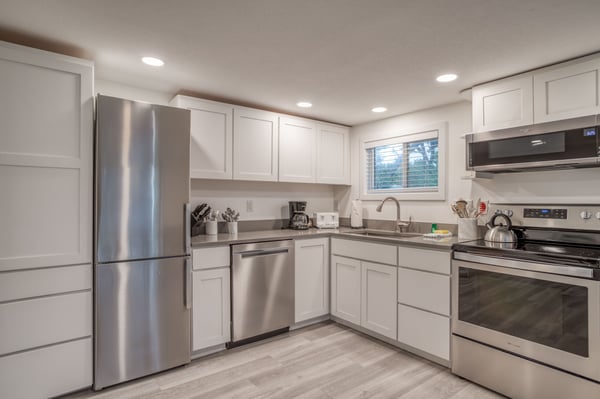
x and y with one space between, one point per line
572 143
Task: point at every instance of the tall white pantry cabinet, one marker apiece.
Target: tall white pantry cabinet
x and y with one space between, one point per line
46 144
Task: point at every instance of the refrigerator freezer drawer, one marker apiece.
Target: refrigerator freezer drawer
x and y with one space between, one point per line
142 318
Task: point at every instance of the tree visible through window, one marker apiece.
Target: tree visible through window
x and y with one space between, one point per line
402 164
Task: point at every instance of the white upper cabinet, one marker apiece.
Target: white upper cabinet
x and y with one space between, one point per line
333 154
240 143
46 142
211 146
558 92
503 104
567 92
255 144
297 150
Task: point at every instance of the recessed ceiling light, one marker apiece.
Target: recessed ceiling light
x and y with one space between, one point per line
153 61
449 77
379 109
304 104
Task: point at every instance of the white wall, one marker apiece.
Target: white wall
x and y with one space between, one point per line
458 117
576 186
269 200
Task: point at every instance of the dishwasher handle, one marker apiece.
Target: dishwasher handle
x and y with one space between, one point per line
262 252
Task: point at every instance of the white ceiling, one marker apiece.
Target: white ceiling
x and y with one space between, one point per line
345 56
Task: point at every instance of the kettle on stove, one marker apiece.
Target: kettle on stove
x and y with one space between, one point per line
500 233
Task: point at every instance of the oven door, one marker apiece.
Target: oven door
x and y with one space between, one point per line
545 317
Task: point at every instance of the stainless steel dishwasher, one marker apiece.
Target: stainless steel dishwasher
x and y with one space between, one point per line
262 289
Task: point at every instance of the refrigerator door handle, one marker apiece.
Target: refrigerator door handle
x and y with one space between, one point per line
188 283
188 231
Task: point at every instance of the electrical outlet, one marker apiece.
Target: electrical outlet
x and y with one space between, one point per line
249 206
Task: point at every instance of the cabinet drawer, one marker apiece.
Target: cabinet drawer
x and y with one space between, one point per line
424 331
47 372
424 259
208 258
38 282
424 290
36 322
374 252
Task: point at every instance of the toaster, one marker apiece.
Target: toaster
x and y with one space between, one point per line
326 220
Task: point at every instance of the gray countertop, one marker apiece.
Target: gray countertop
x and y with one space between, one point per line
342 232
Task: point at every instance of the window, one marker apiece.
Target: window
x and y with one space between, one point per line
409 166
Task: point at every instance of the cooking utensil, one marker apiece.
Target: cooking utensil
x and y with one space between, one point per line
500 233
461 205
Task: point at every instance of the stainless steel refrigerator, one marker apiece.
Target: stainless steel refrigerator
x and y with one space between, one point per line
142 240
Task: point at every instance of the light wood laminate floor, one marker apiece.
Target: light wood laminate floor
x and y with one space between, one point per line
326 360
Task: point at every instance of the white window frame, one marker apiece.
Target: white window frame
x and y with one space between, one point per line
425 193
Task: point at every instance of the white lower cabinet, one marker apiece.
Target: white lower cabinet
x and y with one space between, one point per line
211 308
426 331
345 288
364 293
311 278
424 300
211 297
47 372
378 298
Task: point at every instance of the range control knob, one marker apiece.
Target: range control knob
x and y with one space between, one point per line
598 215
508 212
585 215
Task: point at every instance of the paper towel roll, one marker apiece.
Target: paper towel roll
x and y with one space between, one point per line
356 214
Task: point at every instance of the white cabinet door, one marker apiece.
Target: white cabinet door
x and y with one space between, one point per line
48 371
425 331
44 321
297 150
211 308
567 92
503 104
46 132
345 288
379 298
311 278
333 154
211 145
423 290
255 144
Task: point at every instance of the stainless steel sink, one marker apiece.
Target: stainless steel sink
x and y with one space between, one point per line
385 233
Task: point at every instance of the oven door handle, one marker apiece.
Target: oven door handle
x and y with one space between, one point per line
572 271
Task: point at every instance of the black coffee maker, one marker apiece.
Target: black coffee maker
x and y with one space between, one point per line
299 220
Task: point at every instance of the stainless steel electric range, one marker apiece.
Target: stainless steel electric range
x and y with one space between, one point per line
526 316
